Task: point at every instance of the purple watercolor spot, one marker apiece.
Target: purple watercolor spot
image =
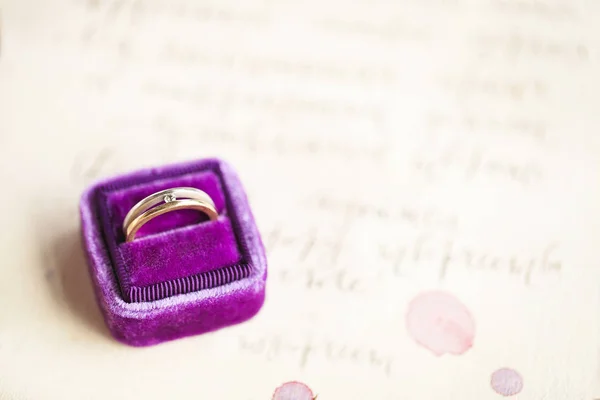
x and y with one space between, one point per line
507 382
293 391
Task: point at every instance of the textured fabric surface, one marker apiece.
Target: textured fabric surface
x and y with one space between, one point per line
177 254
224 298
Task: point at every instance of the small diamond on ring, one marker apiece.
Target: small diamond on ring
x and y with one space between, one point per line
169 198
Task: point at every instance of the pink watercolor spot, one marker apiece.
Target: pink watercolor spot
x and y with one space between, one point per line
439 322
293 391
507 382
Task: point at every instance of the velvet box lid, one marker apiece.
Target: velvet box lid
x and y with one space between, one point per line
183 275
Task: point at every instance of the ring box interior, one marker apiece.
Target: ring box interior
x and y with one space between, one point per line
183 274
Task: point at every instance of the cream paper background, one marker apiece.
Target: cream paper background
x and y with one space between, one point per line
360 130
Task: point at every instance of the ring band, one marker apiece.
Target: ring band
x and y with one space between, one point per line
183 198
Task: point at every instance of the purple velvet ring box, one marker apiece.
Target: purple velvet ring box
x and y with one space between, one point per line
183 275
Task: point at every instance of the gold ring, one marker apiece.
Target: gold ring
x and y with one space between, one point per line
182 198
